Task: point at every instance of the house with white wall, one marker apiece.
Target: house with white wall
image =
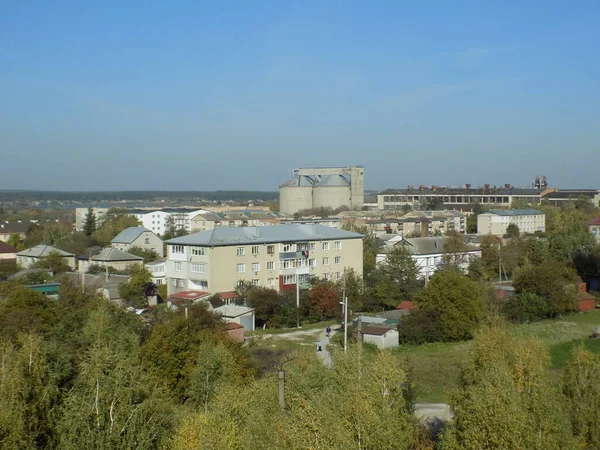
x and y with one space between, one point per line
28 257
138 237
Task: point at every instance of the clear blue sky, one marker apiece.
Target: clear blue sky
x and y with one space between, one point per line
234 94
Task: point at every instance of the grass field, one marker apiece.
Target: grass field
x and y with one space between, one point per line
436 367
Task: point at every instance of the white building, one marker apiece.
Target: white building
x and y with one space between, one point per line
28 257
496 221
430 253
156 221
158 269
382 337
138 237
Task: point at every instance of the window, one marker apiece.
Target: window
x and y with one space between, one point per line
337 275
255 282
270 265
312 262
177 249
255 250
270 249
289 279
326 261
338 245
147 241
240 283
325 245
287 263
270 281
327 276
312 246
174 282
198 251
199 268
241 268
241 251
338 259
288 247
177 267
255 267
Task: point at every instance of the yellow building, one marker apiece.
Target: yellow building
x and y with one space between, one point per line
220 259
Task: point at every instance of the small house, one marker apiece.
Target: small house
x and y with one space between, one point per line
111 257
28 257
382 337
242 315
138 237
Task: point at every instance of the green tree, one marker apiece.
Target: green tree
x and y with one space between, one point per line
396 278
525 308
114 403
458 300
114 221
89 225
581 387
507 399
553 282
136 290
323 297
172 229
15 240
512 231
148 254
370 246
454 249
54 262
265 301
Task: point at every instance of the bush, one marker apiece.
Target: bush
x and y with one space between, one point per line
420 326
525 308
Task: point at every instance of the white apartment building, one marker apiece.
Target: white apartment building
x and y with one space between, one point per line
277 256
156 221
158 269
496 221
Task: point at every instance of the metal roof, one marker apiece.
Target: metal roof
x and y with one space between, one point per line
128 235
431 245
233 310
223 236
156 262
513 212
5 248
113 254
41 251
464 191
333 180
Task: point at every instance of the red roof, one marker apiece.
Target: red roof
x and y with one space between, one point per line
595 221
232 326
406 305
188 295
228 295
375 330
5 248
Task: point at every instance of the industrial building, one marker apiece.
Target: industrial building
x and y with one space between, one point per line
331 187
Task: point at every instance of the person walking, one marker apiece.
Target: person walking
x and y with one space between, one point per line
328 331
319 346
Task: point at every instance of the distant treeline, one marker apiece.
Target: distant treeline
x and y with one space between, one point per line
12 196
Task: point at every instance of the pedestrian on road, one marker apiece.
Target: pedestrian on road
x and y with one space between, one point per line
319 346
327 331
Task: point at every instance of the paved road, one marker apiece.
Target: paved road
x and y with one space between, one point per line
325 355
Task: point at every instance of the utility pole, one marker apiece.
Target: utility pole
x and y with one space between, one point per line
297 299
345 322
281 388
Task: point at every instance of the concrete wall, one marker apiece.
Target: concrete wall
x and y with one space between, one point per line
388 340
295 198
332 197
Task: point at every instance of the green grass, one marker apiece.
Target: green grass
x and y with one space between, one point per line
561 353
436 367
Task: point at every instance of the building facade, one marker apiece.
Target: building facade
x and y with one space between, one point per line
28 257
455 198
331 187
138 237
275 256
496 222
594 227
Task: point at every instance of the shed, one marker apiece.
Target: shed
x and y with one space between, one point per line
238 314
382 337
235 331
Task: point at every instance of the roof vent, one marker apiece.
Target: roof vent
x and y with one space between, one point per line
507 186
487 186
410 187
468 185
422 187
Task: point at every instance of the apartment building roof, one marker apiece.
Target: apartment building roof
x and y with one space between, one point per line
156 262
514 212
224 236
41 251
431 245
15 227
128 235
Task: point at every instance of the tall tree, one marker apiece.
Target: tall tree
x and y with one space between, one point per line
114 221
457 299
89 225
512 230
136 290
507 399
396 279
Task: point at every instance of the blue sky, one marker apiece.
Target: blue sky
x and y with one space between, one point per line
234 94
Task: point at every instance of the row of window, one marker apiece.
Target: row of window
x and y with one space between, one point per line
288 264
241 251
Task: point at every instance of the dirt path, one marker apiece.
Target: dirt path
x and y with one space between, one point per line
325 355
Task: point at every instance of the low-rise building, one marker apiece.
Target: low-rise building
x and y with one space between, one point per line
7 252
275 256
420 223
381 336
432 253
241 315
111 257
28 257
138 237
594 227
496 221
9 228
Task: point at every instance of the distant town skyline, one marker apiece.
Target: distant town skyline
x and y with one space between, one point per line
233 96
